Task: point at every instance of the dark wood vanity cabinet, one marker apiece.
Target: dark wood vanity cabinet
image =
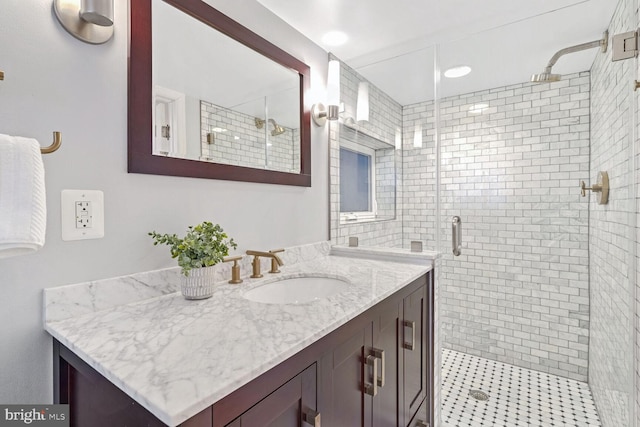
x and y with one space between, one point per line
374 371
359 377
290 405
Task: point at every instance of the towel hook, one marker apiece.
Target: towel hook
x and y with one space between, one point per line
57 142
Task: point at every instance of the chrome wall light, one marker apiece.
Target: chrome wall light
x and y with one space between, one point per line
88 20
319 112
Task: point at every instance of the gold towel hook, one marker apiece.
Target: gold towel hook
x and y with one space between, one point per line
57 142
1 75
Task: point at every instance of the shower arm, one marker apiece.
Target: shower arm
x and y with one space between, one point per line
603 43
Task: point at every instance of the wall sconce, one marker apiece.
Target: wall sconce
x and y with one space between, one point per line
88 20
362 104
319 113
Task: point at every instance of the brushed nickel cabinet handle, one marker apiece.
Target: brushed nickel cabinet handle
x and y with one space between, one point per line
421 423
311 417
371 389
379 354
412 345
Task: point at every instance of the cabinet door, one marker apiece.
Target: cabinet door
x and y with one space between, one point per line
286 406
386 339
342 397
414 352
421 419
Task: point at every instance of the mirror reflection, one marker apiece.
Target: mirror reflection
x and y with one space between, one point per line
211 105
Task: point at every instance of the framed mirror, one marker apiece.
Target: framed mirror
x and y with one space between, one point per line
208 98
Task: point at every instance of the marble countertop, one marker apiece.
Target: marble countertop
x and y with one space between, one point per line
177 357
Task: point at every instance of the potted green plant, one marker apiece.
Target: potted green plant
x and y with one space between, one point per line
204 246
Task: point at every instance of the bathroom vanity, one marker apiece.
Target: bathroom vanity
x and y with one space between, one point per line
361 357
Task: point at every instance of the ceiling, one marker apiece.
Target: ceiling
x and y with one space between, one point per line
393 43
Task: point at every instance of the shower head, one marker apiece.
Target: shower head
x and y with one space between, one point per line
547 76
277 129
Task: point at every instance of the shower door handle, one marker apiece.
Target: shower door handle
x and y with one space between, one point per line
456 235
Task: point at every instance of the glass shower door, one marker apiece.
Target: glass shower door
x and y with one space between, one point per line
543 278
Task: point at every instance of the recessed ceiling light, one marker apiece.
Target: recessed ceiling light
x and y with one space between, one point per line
334 38
478 108
459 71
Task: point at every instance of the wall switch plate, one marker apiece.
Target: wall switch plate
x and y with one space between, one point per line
82 214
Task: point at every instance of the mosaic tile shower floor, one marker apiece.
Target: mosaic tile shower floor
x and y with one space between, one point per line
517 396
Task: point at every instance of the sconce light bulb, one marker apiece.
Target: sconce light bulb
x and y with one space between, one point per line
333 83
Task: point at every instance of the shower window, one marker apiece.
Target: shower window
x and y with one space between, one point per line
357 182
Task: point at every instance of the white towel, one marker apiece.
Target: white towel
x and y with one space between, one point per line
23 207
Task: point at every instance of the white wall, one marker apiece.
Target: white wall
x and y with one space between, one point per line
55 82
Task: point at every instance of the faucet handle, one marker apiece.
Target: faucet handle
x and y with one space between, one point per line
235 268
275 260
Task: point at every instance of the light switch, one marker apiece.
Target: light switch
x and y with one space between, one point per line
82 214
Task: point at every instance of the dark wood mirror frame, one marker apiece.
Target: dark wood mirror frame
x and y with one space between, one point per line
141 159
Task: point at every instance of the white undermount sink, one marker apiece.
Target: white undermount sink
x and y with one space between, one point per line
296 290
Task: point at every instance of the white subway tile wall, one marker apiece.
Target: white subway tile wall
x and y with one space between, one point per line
238 141
519 292
385 120
419 175
611 228
386 183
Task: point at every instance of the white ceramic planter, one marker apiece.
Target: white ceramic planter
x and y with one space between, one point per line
199 283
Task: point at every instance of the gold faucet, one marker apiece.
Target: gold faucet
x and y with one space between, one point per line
275 261
235 269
